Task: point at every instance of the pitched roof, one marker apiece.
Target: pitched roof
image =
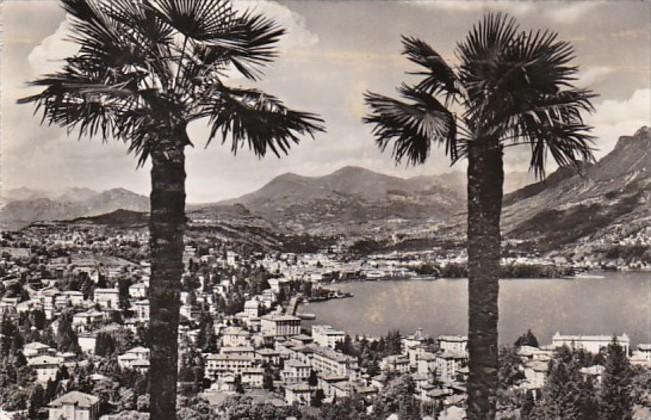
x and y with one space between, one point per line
77 398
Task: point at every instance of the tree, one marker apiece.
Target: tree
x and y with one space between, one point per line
566 395
66 337
527 339
617 385
104 344
145 69
36 400
510 88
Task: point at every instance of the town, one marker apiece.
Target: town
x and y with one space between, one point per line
74 330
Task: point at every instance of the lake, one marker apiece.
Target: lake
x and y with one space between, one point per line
606 303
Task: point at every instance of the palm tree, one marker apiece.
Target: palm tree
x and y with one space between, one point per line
510 87
144 70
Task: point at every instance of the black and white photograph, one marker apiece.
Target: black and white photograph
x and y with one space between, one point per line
325 210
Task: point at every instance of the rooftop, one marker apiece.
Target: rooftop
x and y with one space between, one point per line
77 398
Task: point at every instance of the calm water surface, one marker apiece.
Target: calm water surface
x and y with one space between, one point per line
612 303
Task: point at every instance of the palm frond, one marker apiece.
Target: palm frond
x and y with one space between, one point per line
141 27
479 53
201 20
102 40
534 71
412 126
439 77
252 47
260 121
569 143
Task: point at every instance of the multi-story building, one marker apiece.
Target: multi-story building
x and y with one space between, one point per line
74 405
35 349
426 364
238 351
235 337
330 362
395 363
643 354
107 298
418 338
252 308
252 377
300 394
46 367
137 358
219 364
590 343
141 308
138 290
453 344
82 321
448 365
326 336
295 371
276 325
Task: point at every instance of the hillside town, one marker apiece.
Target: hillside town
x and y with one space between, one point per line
75 314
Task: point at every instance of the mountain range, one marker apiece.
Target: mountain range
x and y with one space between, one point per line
28 206
605 199
608 199
351 200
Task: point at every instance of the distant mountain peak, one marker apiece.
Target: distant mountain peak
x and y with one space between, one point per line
353 170
641 138
643 131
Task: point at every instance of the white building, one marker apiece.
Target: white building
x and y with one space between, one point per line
395 363
219 364
595 372
46 367
418 338
426 364
87 342
449 364
84 320
252 308
300 394
326 336
295 371
107 298
276 325
330 362
236 337
35 349
641 356
74 405
252 377
141 308
453 343
138 290
535 373
590 343
137 358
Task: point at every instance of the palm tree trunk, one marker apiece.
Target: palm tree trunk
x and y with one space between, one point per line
485 181
166 228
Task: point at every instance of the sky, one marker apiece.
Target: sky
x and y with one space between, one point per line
333 52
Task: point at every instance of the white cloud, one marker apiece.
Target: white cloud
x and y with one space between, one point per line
297 34
47 56
615 118
591 75
514 7
570 12
557 11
